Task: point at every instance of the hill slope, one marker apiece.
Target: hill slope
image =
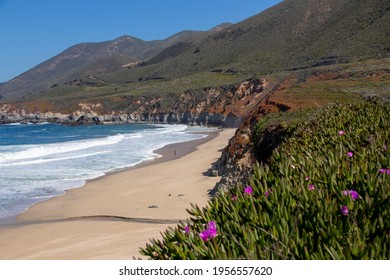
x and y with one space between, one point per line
90 59
291 35
323 194
294 34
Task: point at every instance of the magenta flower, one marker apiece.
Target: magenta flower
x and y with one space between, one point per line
354 194
248 190
267 193
350 154
341 132
234 197
212 229
204 235
212 224
307 178
187 229
384 170
209 232
344 210
311 187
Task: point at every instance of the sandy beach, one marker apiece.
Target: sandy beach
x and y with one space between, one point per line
113 216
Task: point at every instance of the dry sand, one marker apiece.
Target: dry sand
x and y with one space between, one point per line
153 197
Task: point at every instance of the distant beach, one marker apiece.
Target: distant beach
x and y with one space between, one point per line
112 216
40 161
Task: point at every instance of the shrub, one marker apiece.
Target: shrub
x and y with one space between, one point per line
324 194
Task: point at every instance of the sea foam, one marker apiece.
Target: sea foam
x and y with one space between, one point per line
41 161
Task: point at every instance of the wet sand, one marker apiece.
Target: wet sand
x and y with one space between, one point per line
113 216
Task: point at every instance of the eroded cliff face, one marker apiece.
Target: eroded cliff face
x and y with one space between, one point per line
238 158
294 92
240 155
221 106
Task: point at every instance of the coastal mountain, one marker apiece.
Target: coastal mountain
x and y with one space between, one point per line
91 59
293 35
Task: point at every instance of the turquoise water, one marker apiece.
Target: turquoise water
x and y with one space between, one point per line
40 161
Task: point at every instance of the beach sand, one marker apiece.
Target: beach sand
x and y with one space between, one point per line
111 217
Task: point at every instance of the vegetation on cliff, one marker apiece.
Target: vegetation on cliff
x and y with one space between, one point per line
293 35
323 194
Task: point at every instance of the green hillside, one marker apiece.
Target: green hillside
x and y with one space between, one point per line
323 194
292 35
87 61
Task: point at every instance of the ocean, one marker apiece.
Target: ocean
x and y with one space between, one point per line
40 161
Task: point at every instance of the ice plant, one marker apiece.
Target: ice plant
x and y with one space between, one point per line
209 232
341 132
234 197
307 178
344 210
212 228
248 190
187 229
204 235
354 194
311 187
384 170
350 154
267 193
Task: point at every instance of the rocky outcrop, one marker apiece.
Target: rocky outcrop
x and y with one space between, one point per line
238 158
220 106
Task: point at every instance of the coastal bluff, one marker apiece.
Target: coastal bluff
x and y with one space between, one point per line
219 106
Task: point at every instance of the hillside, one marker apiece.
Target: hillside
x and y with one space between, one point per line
292 35
88 60
322 194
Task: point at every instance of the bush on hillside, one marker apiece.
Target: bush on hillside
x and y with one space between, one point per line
324 194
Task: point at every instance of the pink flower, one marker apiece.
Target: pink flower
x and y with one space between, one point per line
384 170
354 194
350 154
234 197
204 235
248 190
209 232
212 224
267 193
311 187
344 210
307 178
212 229
187 229
341 132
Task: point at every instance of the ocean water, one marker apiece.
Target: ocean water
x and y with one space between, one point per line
39 161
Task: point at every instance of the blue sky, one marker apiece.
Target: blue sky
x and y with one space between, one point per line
33 31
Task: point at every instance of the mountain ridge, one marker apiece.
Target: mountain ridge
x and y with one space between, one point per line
291 35
95 57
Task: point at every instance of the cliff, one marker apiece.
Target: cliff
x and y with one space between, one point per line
219 106
299 93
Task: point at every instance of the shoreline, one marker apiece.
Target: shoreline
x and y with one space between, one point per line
128 207
165 153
